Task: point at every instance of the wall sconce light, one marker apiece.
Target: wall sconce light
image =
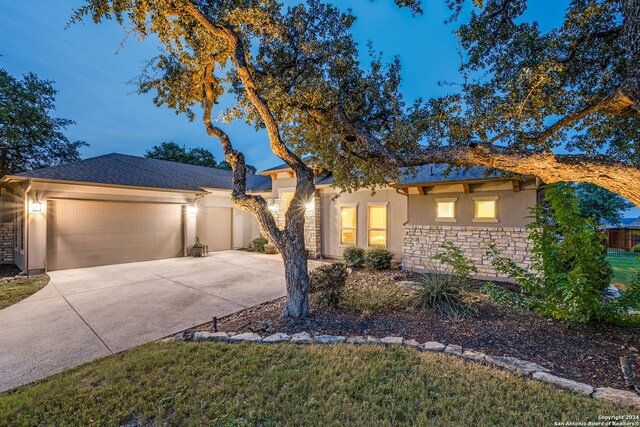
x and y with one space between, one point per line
272 207
192 210
35 205
311 205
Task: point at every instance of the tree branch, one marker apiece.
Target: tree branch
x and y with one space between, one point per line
254 204
600 170
305 186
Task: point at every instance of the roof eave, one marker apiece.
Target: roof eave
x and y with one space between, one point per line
457 181
10 178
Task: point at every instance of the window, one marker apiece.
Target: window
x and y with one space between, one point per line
348 225
446 210
377 226
486 209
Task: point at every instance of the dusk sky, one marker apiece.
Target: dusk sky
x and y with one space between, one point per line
91 70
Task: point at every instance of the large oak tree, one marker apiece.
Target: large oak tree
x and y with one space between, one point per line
563 104
250 49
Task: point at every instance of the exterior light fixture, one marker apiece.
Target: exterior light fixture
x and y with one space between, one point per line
273 207
310 205
192 210
35 205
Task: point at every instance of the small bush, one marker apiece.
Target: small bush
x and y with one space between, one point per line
570 270
258 244
327 282
441 292
453 256
371 293
378 258
353 256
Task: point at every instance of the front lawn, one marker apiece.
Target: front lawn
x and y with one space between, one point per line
624 269
18 289
177 383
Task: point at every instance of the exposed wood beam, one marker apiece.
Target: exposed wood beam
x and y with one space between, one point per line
291 174
421 190
516 185
466 187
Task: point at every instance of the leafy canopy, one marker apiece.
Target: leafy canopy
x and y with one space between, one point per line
601 204
30 138
570 270
171 151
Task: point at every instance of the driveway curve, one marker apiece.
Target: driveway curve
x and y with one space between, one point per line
88 313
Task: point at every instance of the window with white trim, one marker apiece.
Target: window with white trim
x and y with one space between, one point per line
377 225
446 210
486 209
348 225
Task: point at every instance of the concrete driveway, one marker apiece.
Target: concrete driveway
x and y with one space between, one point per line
87 313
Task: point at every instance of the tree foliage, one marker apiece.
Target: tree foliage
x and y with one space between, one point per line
522 92
601 204
30 138
570 270
272 60
171 151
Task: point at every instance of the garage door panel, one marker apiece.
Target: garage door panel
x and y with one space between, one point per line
214 227
89 233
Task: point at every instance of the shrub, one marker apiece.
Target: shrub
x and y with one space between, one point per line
441 292
258 244
571 271
370 293
378 258
353 256
453 256
327 282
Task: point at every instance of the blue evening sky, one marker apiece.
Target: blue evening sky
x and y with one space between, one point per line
91 70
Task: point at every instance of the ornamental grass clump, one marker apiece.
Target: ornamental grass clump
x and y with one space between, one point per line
441 292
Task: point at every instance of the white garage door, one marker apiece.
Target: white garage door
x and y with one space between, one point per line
214 227
90 233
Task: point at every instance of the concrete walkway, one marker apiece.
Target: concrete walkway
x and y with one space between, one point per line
87 313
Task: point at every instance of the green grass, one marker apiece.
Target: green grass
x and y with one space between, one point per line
17 290
624 269
269 385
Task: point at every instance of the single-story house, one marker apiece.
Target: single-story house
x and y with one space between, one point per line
117 208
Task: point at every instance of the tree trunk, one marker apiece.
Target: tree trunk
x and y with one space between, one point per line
296 276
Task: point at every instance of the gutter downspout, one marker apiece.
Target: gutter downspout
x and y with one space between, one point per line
26 227
402 193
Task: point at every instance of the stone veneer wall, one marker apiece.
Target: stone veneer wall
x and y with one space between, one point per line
312 225
6 243
421 242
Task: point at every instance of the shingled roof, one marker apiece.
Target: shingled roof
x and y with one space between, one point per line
124 170
442 172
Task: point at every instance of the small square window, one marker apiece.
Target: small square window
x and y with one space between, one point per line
486 209
446 210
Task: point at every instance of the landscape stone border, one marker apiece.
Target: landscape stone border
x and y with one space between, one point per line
517 366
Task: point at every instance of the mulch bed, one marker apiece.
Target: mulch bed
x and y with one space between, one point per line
586 353
7 270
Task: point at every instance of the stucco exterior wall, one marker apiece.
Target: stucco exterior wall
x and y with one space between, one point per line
422 242
330 218
513 208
